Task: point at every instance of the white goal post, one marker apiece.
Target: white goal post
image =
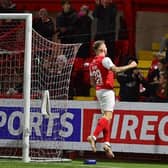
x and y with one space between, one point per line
27 78
34 73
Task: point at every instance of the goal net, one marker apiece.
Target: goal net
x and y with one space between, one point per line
33 79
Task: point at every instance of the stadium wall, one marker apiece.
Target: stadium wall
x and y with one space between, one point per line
135 128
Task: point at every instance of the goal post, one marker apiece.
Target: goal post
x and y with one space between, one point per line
27 77
34 73
27 87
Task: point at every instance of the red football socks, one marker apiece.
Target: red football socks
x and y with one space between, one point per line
106 132
103 125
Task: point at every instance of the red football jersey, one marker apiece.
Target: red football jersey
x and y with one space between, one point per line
104 78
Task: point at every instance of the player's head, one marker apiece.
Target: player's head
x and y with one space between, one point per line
100 48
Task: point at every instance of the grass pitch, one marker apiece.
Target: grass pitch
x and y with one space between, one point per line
10 163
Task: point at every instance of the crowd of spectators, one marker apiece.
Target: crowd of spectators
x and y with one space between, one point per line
156 87
85 26
130 82
153 88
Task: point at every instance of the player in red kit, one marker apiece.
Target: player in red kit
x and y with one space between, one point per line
102 72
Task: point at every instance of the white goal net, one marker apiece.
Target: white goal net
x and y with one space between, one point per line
51 66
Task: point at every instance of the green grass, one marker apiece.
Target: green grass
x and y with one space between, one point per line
77 164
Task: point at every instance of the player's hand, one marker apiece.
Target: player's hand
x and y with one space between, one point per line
133 64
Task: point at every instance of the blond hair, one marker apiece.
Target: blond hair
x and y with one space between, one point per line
97 44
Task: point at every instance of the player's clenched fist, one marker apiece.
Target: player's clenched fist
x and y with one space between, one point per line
133 64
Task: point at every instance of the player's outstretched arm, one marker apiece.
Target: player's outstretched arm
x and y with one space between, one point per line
117 69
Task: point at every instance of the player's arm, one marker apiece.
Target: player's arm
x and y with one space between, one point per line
107 63
117 69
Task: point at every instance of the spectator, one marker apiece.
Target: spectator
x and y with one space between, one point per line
7 6
154 74
65 23
153 79
79 82
52 77
83 28
44 25
162 89
160 94
105 13
15 84
163 51
130 84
